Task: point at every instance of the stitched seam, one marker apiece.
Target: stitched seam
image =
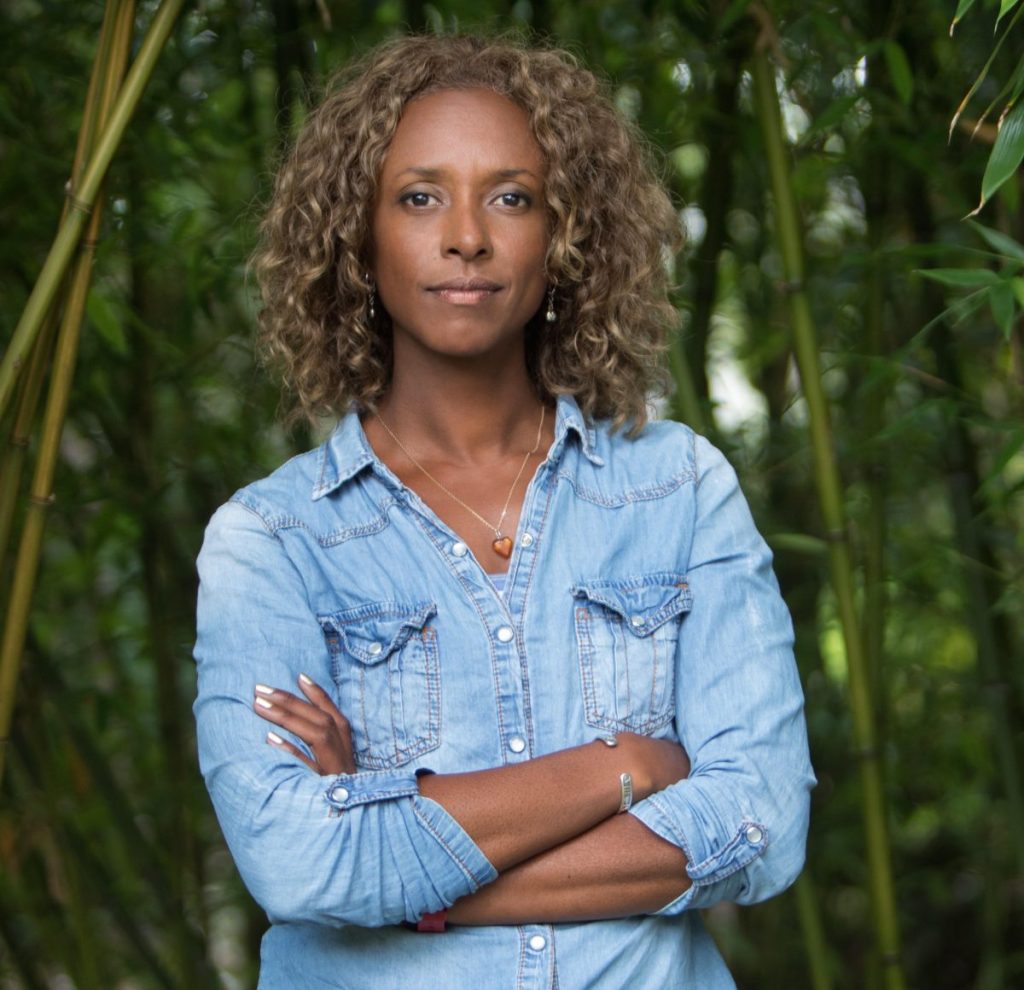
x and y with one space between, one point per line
443 842
647 494
523 664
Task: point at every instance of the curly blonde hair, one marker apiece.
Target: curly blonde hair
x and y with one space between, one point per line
612 228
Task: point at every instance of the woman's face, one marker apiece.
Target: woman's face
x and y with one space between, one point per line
460 230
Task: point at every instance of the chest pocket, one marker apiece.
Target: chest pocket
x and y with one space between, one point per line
626 635
385 665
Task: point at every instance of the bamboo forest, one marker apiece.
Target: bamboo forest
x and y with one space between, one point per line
850 296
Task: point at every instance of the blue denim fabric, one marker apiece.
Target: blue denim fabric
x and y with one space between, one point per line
639 598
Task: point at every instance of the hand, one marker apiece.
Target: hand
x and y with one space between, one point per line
660 762
317 722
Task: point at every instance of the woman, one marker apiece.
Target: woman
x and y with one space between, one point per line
530 643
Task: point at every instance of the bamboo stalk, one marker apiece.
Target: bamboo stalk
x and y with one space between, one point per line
815 944
41 492
85 196
829 491
21 429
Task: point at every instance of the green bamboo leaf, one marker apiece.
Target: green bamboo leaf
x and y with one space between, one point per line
984 71
1004 8
1006 154
961 9
961 278
1003 306
999 242
1017 284
1017 80
1006 97
899 72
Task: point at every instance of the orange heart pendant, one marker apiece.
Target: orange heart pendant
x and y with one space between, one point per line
502 546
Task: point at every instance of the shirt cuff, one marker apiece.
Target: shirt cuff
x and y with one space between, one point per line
349 790
463 853
714 864
457 868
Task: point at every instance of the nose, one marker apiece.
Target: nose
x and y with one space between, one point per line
466 234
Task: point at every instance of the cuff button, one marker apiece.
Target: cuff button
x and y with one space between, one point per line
339 794
754 835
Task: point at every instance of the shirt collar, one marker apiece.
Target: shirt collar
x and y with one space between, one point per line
346 451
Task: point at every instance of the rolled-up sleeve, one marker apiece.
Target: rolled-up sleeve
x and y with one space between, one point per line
363 849
741 816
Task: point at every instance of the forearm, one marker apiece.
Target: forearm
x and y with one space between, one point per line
616 869
514 813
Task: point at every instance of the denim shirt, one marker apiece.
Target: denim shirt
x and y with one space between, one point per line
639 598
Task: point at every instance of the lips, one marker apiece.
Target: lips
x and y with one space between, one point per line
465 291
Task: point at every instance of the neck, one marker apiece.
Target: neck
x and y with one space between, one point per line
471 415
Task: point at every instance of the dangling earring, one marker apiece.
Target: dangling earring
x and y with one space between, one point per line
373 297
551 316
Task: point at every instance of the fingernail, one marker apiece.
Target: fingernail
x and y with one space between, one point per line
274 739
263 689
263 703
308 681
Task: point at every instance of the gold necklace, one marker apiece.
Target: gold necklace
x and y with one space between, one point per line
501 545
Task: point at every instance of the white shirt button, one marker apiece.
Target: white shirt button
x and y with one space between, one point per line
374 649
339 794
517 744
753 834
460 549
505 634
537 942
637 620
527 540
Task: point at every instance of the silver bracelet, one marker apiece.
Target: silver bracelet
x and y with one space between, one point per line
625 779
626 786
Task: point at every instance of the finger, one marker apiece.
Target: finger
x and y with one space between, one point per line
301 719
322 700
290 703
329 737
273 739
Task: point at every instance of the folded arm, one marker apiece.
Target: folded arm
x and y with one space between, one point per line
618 868
369 848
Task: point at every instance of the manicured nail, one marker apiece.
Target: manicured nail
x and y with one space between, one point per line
274 739
263 703
308 681
263 689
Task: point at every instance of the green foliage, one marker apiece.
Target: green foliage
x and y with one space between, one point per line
1008 150
112 868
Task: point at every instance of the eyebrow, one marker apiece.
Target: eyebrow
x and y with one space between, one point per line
432 174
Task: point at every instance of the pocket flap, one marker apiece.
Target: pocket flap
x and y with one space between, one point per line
371 633
643 603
